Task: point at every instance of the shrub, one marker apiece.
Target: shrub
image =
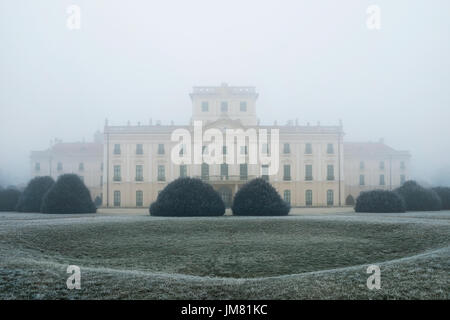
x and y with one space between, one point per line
380 201
68 195
444 194
418 198
350 201
31 198
259 198
188 197
98 201
8 199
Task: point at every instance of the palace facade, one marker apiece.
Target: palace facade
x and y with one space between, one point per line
133 163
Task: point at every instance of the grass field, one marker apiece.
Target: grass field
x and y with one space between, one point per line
306 256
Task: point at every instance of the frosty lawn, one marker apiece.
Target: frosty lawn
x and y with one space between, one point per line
294 257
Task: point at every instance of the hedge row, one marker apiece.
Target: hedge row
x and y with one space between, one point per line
67 195
409 197
193 197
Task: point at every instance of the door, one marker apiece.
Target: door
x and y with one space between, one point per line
225 194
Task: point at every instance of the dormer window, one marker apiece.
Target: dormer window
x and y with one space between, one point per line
224 106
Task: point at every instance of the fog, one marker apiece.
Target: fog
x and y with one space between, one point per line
311 60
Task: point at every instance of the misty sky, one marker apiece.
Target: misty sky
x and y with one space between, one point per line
311 60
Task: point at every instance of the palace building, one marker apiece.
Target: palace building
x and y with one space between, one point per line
131 164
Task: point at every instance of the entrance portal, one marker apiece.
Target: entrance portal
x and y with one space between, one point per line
225 194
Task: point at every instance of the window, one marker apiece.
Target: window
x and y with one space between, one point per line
117 149
117 176
101 167
139 198
402 179
183 170
382 165
330 148
308 197
182 148
308 172
243 106
161 173
224 170
330 197
330 172
243 171
361 165
382 183
244 150
308 148
224 150
60 166
139 173
265 172
224 106
161 148
139 149
205 171
205 106
287 196
265 148
205 150
81 166
116 198
361 180
37 166
287 172
402 164
101 181
81 178
286 148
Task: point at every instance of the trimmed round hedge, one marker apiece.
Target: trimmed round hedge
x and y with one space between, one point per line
98 201
68 195
8 199
379 201
259 198
350 201
444 194
418 198
31 198
188 197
